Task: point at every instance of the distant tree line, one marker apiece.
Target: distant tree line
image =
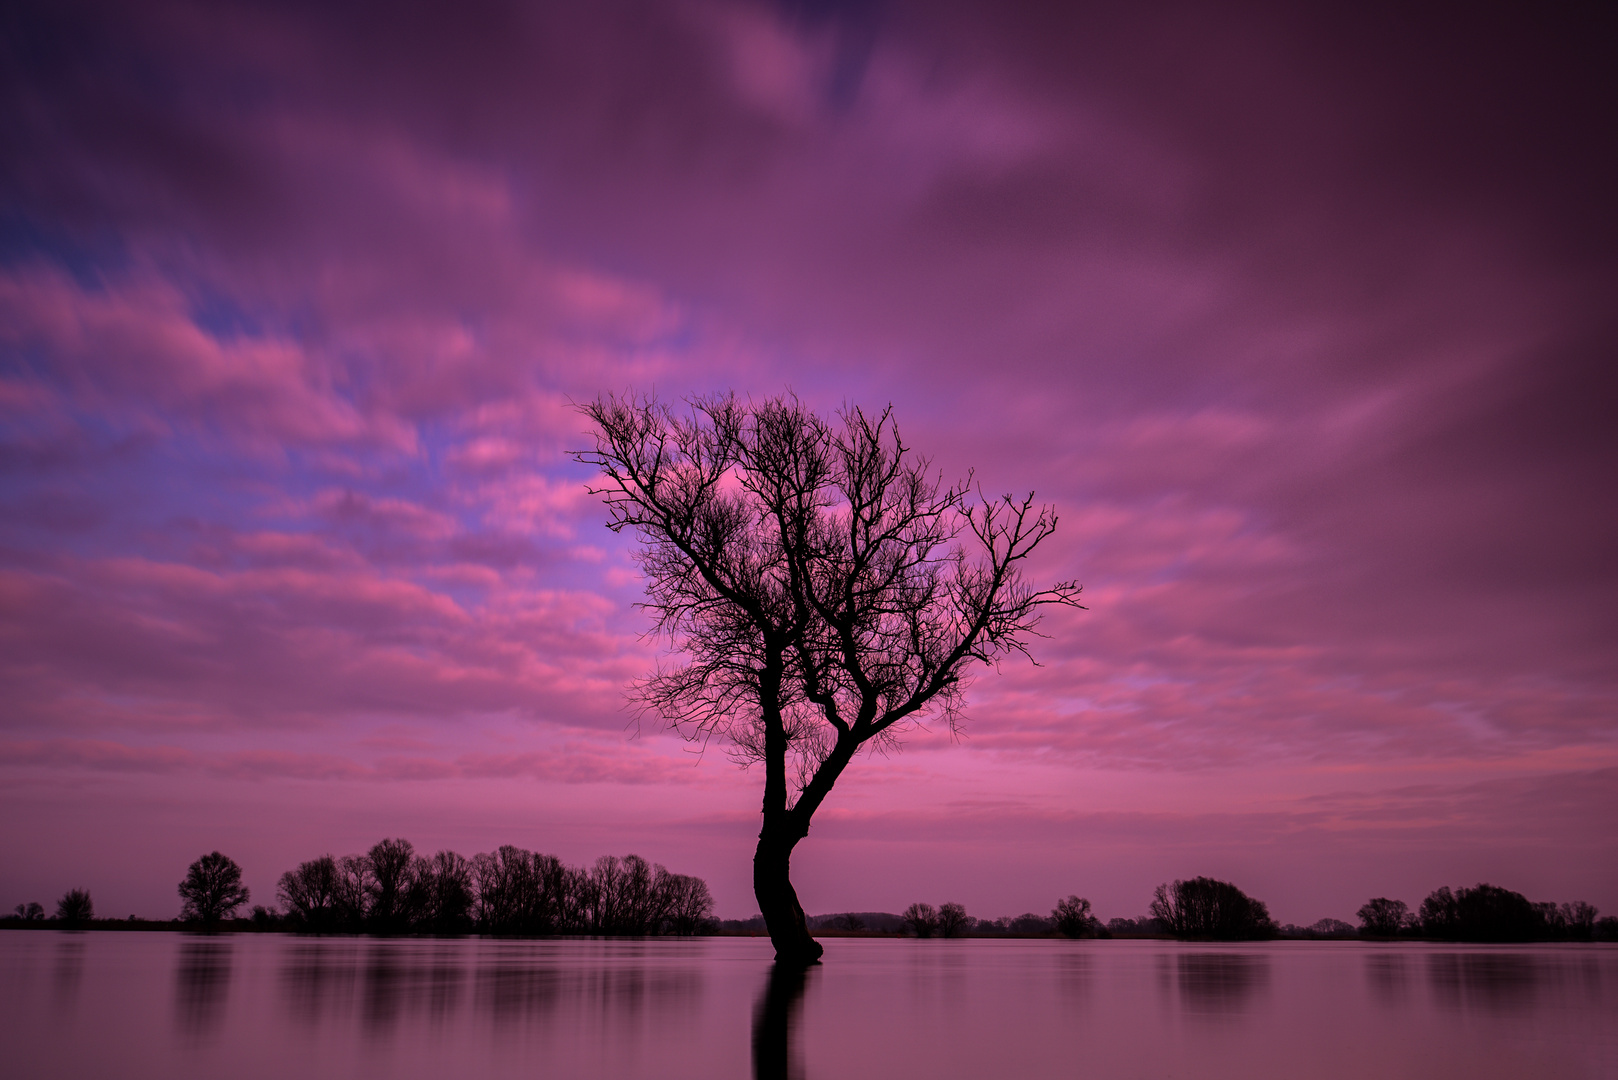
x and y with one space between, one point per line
1204 908
75 908
1485 913
392 890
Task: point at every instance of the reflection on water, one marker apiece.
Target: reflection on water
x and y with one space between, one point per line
201 982
1074 973
67 971
512 984
318 979
399 982
1496 982
1389 977
517 989
1217 984
777 1053
155 1005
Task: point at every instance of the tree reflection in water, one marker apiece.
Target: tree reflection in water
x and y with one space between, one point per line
1389 976
776 1053
384 985
318 979
68 971
1218 984
201 983
1496 982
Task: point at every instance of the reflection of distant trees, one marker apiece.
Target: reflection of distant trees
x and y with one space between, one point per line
1220 982
1389 976
390 889
201 982
1496 981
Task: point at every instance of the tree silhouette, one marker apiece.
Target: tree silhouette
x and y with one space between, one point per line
388 884
1439 915
1579 920
309 893
1206 908
921 919
212 889
75 908
813 575
1073 918
953 921
1381 917
1482 913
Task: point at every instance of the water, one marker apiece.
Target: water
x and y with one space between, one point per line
163 1005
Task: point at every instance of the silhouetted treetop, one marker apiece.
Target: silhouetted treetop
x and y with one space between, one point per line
1073 919
212 889
1206 908
1486 913
921 920
507 891
75 907
1382 917
823 588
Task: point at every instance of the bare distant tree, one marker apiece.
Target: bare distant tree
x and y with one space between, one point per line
1073 919
953 921
816 577
1029 923
75 908
1580 919
1382 917
921 919
1205 908
387 883
31 911
212 889
352 895
441 892
687 903
309 893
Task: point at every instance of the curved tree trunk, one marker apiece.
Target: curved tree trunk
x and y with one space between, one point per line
777 899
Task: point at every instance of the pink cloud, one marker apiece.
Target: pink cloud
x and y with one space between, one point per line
133 348
1310 357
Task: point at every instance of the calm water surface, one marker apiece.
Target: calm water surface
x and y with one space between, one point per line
165 1005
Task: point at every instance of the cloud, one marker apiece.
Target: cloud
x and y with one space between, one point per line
1302 325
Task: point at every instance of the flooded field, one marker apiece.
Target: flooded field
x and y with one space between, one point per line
161 1005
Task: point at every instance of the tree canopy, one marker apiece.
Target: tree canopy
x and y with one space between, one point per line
821 587
212 889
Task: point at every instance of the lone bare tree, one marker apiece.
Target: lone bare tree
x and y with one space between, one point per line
815 577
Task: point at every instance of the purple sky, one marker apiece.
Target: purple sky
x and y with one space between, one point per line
1306 325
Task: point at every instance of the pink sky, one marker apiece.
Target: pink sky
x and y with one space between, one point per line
1305 326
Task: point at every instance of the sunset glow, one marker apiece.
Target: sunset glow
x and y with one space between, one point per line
1304 327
